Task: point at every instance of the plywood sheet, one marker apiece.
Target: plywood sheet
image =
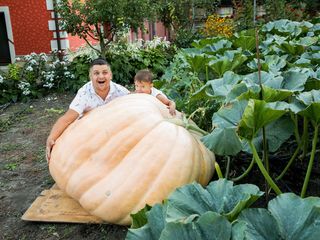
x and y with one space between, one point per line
53 205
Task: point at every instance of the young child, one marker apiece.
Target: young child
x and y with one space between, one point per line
143 84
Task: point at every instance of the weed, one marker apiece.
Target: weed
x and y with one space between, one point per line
54 111
8 147
10 166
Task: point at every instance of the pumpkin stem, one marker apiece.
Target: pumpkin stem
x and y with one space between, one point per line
187 124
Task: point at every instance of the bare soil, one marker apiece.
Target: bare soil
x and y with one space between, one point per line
24 173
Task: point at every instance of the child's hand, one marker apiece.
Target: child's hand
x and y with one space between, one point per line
172 110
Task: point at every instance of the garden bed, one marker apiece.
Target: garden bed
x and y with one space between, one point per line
24 173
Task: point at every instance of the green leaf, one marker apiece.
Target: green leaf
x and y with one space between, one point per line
296 216
218 88
139 219
228 62
198 62
294 80
245 42
277 133
272 95
312 102
151 230
256 115
257 224
229 115
223 141
288 217
209 226
219 196
272 63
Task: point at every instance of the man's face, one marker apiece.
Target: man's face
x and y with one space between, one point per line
143 87
100 75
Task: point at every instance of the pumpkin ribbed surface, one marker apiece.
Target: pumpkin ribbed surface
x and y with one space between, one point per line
124 155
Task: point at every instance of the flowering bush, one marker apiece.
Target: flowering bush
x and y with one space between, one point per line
33 76
36 75
218 26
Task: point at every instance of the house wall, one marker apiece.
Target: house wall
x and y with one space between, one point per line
152 30
29 20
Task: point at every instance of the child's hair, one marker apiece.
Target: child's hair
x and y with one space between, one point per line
99 61
143 75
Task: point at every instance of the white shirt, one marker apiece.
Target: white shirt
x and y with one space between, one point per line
87 99
155 92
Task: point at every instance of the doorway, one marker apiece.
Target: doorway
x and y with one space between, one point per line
4 43
7 52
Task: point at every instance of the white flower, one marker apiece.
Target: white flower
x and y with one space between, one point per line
29 69
24 86
33 62
27 58
1 79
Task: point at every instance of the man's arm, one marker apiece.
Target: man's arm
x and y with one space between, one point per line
58 128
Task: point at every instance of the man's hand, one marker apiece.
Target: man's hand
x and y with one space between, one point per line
49 146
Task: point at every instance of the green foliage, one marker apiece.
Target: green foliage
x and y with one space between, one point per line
103 20
34 76
127 59
80 68
193 207
253 104
192 212
287 217
180 82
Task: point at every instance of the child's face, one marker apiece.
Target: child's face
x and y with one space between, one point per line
143 87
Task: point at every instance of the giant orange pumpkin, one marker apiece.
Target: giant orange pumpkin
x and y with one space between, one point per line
126 154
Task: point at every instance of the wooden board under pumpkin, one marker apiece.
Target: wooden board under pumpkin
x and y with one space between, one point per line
53 205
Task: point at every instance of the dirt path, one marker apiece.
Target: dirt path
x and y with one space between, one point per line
24 173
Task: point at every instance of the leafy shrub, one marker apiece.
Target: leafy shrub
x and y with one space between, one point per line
34 76
127 58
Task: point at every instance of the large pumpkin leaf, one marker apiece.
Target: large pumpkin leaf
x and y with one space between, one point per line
309 105
273 95
218 47
229 115
228 62
204 42
223 141
256 115
197 62
152 226
288 217
218 88
298 218
257 224
277 133
245 40
295 80
284 27
208 226
272 63
219 196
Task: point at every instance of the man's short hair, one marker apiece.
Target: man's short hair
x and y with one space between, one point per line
99 61
144 75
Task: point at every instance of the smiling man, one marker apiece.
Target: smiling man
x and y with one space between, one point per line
98 91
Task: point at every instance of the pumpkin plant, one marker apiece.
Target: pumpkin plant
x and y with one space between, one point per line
255 91
222 211
126 154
